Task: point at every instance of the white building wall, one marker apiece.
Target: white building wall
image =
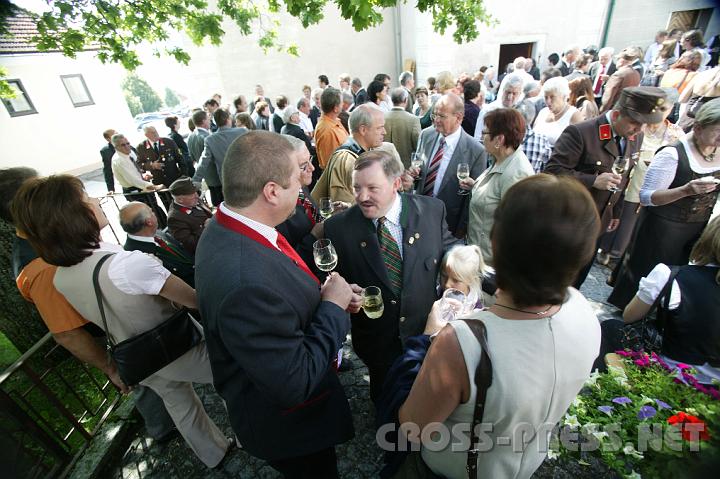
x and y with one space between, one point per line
331 47
60 137
552 25
635 22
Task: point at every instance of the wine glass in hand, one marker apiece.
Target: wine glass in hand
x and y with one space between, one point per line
372 302
463 172
324 255
618 168
326 208
452 304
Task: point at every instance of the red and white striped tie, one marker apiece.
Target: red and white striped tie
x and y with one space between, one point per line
433 167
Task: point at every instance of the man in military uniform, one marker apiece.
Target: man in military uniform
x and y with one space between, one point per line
140 224
188 216
587 151
162 158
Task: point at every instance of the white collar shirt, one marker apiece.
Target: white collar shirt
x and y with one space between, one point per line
268 232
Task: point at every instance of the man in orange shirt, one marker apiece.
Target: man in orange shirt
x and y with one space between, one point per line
329 133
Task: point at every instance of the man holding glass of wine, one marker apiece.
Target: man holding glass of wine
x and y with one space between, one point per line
442 148
272 330
394 242
601 152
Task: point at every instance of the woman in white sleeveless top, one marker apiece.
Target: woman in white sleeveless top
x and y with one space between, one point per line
63 225
542 339
558 114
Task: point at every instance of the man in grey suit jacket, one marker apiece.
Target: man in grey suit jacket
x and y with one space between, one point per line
272 331
216 145
442 147
402 129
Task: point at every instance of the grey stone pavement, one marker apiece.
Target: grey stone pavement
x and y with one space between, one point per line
359 458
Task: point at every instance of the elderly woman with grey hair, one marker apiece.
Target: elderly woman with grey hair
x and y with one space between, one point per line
558 114
510 93
679 193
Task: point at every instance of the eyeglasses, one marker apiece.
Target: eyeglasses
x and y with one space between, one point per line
304 167
124 144
435 116
485 132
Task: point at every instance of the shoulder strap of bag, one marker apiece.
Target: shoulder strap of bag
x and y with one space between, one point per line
681 82
98 295
483 380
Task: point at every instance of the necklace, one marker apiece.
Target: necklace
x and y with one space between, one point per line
537 313
709 157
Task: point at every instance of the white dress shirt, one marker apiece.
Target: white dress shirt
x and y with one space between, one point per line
451 142
126 172
305 123
268 232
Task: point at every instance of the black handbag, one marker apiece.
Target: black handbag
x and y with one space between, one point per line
646 334
145 354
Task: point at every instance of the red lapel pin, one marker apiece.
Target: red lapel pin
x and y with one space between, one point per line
605 132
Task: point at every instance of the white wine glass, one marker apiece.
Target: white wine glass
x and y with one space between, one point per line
463 172
452 303
473 301
618 168
324 255
372 302
416 161
326 208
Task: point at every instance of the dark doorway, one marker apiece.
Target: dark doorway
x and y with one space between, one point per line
510 51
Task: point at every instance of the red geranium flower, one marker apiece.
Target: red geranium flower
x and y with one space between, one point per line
693 432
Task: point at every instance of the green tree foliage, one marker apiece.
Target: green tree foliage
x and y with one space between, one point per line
143 94
171 99
118 27
133 103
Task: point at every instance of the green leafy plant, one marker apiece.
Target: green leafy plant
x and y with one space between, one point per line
643 420
171 99
118 27
143 94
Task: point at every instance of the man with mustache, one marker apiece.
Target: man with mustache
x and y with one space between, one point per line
393 241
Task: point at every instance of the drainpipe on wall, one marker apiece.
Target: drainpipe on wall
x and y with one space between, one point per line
398 41
606 25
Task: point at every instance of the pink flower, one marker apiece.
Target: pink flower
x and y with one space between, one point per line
682 366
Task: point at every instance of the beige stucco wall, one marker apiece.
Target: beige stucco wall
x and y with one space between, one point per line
331 47
626 29
60 137
552 25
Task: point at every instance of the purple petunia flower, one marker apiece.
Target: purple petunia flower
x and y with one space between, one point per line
662 404
623 353
646 412
606 409
622 400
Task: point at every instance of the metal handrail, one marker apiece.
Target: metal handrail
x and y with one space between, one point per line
51 450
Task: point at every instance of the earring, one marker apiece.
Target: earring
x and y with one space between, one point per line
497 146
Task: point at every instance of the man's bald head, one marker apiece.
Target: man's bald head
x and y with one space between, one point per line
137 218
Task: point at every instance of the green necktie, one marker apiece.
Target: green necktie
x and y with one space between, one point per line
390 255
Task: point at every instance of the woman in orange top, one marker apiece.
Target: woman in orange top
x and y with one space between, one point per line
683 71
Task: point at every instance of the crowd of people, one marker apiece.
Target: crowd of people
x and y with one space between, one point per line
502 188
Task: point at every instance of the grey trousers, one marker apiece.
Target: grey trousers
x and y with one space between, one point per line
173 384
158 422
